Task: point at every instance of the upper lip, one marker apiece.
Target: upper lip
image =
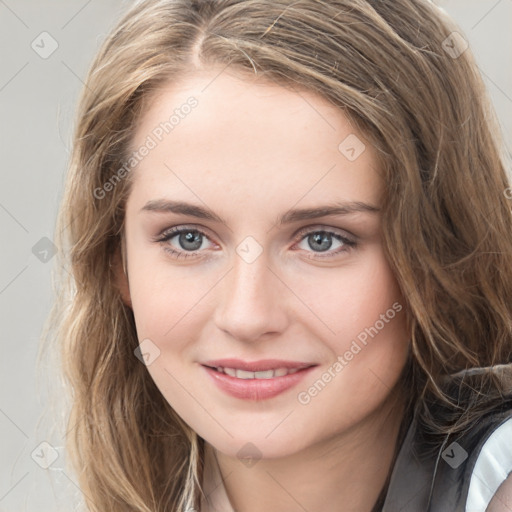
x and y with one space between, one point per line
256 366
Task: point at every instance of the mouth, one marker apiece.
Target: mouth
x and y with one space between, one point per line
263 374
256 380
262 369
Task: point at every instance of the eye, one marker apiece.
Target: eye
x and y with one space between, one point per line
322 240
185 242
188 241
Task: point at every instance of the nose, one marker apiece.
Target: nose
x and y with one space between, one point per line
252 301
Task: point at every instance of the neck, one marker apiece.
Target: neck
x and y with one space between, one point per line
350 468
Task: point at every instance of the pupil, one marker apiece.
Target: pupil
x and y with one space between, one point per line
322 239
190 237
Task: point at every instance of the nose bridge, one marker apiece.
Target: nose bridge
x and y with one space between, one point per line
250 305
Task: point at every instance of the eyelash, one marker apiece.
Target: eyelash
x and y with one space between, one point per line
348 244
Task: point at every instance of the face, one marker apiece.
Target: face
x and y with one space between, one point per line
233 253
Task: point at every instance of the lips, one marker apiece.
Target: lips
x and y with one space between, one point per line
257 380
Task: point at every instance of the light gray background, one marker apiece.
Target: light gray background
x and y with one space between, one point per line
37 101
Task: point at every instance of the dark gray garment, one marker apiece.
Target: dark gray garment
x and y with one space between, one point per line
439 481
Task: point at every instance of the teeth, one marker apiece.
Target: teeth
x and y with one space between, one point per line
242 374
267 374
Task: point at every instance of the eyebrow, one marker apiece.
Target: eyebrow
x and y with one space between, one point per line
293 215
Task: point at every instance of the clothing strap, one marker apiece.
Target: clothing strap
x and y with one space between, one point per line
439 482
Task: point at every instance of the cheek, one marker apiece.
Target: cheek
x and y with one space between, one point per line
377 343
369 349
345 305
376 306
165 300
170 314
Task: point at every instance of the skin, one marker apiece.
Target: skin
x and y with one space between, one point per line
250 151
502 500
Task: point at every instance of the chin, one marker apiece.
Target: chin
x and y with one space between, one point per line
247 446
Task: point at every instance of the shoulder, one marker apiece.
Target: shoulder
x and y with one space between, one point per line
467 472
502 500
490 486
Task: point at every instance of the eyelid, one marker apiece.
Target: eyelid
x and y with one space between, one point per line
164 233
302 231
328 229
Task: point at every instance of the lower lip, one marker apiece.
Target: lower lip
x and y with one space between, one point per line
256 389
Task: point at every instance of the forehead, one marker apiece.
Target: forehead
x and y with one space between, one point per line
252 138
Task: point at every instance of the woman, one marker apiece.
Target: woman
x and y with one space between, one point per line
338 334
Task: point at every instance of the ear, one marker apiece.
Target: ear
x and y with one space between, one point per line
118 264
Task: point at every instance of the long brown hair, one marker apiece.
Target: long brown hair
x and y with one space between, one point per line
398 71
